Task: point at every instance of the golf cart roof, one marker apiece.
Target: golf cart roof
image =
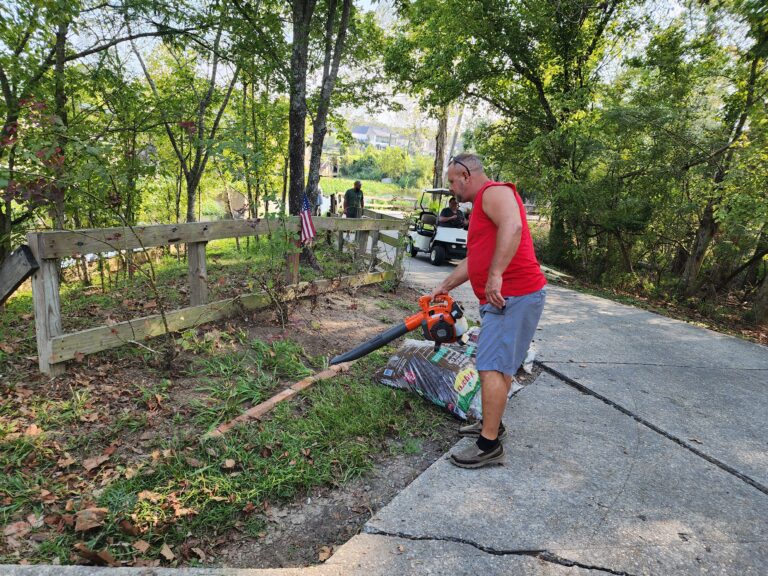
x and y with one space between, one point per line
437 195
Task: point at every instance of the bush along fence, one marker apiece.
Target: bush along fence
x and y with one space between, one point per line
54 347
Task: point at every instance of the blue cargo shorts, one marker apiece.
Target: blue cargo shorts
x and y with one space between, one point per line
506 333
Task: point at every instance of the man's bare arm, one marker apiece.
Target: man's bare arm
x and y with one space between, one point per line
455 278
500 206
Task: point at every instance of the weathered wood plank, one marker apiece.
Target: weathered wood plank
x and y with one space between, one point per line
65 347
66 243
198 273
363 224
45 297
389 240
19 266
265 407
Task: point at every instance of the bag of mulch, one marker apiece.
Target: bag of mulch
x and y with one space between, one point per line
446 377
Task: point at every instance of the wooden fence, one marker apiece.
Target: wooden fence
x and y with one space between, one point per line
54 347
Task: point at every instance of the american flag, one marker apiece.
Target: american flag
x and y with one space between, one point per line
307 227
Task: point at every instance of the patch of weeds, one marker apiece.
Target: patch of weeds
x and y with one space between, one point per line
130 421
383 304
406 305
329 437
409 446
58 413
25 462
153 395
206 342
283 358
226 398
227 366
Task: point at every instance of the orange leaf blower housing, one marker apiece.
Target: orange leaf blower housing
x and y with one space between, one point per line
441 320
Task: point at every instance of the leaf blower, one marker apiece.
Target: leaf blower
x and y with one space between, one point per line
442 321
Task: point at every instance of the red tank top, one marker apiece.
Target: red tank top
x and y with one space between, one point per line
523 274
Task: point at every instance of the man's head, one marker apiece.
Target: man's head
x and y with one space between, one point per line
465 176
452 204
357 184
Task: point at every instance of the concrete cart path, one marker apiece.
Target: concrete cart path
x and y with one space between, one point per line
641 449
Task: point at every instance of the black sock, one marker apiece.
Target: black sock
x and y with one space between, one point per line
485 445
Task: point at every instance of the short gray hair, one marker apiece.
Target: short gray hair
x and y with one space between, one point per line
471 162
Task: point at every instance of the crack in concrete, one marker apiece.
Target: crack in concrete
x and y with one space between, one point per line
543 555
722 465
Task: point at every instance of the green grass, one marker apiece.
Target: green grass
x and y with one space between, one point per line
327 436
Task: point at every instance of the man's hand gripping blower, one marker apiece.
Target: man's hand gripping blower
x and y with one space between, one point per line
442 321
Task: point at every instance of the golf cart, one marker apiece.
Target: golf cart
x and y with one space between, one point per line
426 235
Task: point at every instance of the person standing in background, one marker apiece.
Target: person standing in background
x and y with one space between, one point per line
353 201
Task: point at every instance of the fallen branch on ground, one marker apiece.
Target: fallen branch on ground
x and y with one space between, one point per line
260 409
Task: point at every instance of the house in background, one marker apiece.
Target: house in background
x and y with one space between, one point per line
383 138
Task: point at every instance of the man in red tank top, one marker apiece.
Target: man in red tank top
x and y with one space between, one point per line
501 266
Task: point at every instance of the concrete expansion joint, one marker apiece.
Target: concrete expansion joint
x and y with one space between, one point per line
585 390
543 555
653 364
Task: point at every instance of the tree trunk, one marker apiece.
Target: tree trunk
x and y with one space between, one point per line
442 136
761 302
456 131
332 59
58 214
707 229
753 269
302 17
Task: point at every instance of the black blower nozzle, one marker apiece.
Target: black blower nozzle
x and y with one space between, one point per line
373 344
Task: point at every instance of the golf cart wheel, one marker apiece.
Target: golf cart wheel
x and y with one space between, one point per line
412 248
437 256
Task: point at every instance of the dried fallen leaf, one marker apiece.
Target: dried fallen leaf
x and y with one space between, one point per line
7 348
66 461
325 553
35 521
92 463
47 497
228 464
107 557
194 462
102 558
167 553
141 545
32 431
90 518
199 553
18 529
127 528
79 356
149 495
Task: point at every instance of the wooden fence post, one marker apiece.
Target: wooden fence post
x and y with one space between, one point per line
399 250
198 273
45 296
374 248
362 242
292 268
340 242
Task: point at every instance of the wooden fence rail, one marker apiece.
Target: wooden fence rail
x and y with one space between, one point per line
54 347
